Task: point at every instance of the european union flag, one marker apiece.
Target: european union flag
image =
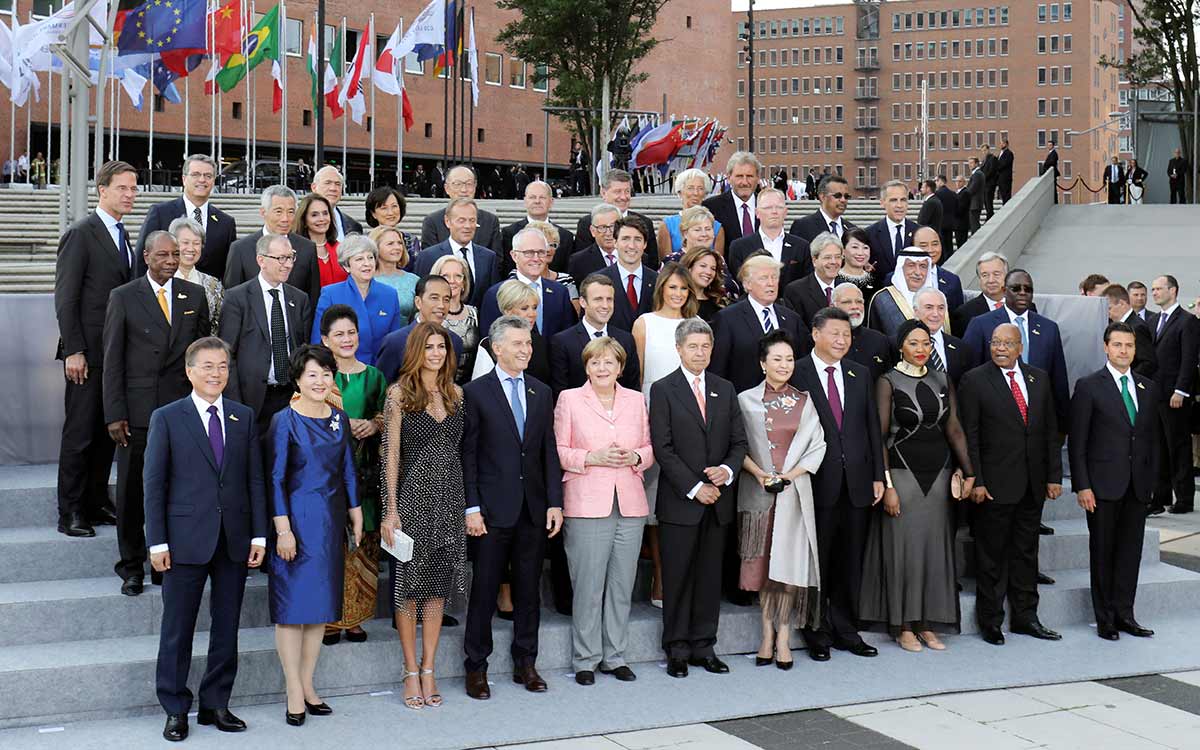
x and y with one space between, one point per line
163 25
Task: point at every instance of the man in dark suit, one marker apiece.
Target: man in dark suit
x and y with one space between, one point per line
849 481
617 190
991 175
1004 172
788 249
931 207
977 188
94 257
834 194
1145 359
927 239
1114 180
949 203
597 295
735 208
699 441
1176 341
277 208
1050 163
962 227
894 231
149 325
206 520
220 229
328 182
539 199
1177 172
868 347
1008 414
633 280
263 321
810 184
460 184
815 291
432 300
949 355
513 487
460 218
555 312
991 268
602 252
1138 294
1114 462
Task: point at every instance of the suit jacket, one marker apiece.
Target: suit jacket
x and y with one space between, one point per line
189 499
1009 456
872 350
1145 358
724 210
1050 162
961 317
883 253
390 356
349 225
854 453
624 315
1177 169
805 297
143 353
378 314
977 187
1107 179
959 358
1045 353
566 358
487 267
951 286
931 213
1107 452
219 233
558 314
810 186
797 259
1176 346
1004 167
585 262
686 442
991 169
963 197
1137 176
503 471
808 227
583 238
566 245
736 333
89 267
246 327
434 230
305 274
949 208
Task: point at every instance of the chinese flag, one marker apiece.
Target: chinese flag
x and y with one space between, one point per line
228 29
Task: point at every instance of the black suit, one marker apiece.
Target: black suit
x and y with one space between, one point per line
958 359
1145 358
220 231
872 350
566 244
972 308
724 209
736 333
305 274
991 174
949 203
931 213
806 297
797 259
808 227
1116 185
1176 345
962 227
434 229
89 267
693 534
584 239
1177 172
977 187
513 478
624 314
349 225
1014 460
587 261
1051 163
1004 174
566 358
144 369
1117 461
883 245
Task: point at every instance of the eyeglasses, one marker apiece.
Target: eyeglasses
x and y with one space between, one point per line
839 196
460 183
202 176
532 253
604 228
283 260
1021 288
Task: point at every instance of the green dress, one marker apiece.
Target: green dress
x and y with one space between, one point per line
363 395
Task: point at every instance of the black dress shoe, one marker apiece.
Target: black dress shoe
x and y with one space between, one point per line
1044 580
477 686
677 668
1156 510
505 614
103 516
743 598
222 718
622 673
862 648
585 677
710 663
318 709
1177 509
331 638
132 586
1036 630
818 653
1107 632
74 524
449 621
358 637
1045 530
295 720
992 635
1132 627
176 729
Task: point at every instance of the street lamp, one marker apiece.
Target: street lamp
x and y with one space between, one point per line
750 60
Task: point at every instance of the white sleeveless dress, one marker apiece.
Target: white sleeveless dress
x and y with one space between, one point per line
661 360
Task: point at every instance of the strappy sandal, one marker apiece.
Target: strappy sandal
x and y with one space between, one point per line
415 702
433 700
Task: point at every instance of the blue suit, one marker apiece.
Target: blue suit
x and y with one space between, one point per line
378 314
883 250
207 514
1045 352
950 285
391 350
487 267
557 312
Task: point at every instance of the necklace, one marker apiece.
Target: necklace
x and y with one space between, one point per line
910 369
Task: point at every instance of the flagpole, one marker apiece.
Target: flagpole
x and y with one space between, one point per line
345 167
152 108
117 134
252 107
245 22
371 61
452 71
283 122
210 45
187 111
399 117
50 123
474 83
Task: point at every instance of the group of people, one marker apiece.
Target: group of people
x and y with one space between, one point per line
778 415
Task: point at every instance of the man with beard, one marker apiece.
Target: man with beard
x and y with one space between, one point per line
868 347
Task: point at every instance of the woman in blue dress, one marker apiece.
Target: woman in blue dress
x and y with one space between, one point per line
313 482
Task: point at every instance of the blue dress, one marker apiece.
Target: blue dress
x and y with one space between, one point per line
672 224
406 289
313 482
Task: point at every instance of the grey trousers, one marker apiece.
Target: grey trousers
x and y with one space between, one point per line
602 554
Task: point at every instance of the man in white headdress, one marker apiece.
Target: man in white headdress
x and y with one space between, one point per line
893 304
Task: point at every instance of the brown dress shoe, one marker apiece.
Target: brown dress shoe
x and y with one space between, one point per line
477 686
529 677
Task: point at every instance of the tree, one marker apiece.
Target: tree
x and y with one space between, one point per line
581 42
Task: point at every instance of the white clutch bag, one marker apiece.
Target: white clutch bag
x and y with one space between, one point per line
402 550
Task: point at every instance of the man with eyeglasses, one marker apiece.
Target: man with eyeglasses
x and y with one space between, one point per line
788 249
220 229
617 190
539 199
329 184
277 206
461 182
602 253
834 193
555 311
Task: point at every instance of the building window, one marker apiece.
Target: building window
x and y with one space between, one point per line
306 118
1066 74
236 112
1041 45
516 74
1066 106
1066 11
493 64
295 32
1067 43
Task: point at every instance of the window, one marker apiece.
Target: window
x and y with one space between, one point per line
541 77
1041 45
413 65
895 52
295 32
1067 43
41 8
1054 44
493 64
1003 46
1054 13
236 111
1066 12
1066 106
741 88
479 135
516 75
1066 74
1041 14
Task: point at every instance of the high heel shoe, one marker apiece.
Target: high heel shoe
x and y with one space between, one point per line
414 702
433 700
295 720
318 709
763 661
784 665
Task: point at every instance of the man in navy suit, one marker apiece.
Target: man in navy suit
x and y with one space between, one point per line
206 520
893 232
1176 342
788 249
530 254
948 283
1041 343
602 253
220 229
596 297
460 218
950 355
814 292
633 280
539 199
834 194
1114 462
513 487
277 207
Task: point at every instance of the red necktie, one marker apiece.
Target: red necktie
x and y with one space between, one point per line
631 292
835 398
747 225
828 295
1018 396
997 305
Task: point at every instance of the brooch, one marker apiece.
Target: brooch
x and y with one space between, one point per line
383 313
232 418
335 424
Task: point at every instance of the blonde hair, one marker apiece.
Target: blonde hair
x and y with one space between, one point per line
376 236
758 262
442 262
605 345
548 230
690 217
683 178
512 293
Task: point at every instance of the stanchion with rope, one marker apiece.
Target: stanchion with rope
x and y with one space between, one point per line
1076 191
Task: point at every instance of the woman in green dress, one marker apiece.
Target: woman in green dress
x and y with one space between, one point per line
361 390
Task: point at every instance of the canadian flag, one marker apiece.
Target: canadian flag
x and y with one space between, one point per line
389 76
277 93
353 82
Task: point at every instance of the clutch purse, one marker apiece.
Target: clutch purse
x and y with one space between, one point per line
402 549
776 486
956 486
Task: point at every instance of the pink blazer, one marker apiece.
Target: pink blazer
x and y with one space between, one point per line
582 425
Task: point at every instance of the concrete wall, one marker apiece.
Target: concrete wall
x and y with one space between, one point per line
32 401
1009 231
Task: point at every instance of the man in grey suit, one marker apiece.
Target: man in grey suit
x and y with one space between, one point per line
460 183
977 188
277 208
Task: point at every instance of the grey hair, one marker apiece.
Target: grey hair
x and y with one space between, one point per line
356 244
153 238
540 183
530 232
844 286
460 203
202 158
891 184
505 323
989 256
276 191
687 175
928 290
336 171
738 158
188 223
818 243
263 246
604 208
691 326
615 175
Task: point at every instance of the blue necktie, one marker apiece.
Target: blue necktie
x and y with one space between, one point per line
123 246
536 290
768 326
1024 340
215 438
517 410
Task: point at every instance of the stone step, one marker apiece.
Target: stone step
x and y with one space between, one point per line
29 495
1066 549
40 553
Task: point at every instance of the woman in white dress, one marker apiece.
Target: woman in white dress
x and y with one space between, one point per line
654 335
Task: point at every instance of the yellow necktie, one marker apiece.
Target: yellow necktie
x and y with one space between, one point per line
162 302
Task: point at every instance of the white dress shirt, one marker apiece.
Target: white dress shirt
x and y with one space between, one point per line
154 287
838 377
841 228
758 312
691 378
773 246
1128 374
268 303
593 332
637 280
337 224
1023 317
110 223
535 284
189 210
939 345
470 254
892 227
1020 378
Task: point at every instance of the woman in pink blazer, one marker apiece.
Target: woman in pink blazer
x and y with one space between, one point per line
603 434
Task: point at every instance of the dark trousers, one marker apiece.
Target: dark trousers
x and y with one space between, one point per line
947 237
961 233
1175 469
182 591
1006 560
1116 530
1115 195
275 399
523 547
1177 192
131 512
560 574
989 193
86 454
973 219
691 563
1005 189
841 538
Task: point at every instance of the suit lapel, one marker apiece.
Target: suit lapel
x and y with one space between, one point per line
683 390
292 311
194 426
149 302
1000 383
502 394
111 252
258 308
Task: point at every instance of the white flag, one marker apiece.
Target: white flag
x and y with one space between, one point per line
6 55
428 28
389 69
474 53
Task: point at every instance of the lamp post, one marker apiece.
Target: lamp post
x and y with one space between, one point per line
319 105
750 65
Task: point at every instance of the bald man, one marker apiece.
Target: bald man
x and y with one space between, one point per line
329 183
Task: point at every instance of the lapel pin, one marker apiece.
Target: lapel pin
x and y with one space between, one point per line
233 418
851 373
1141 386
189 312
291 304
1029 378
1036 332
181 295
877 359
712 395
383 313
952 346
530 390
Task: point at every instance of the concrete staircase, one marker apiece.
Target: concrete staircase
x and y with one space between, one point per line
71 647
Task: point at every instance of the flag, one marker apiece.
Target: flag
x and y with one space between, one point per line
658 146
426 35
134 83
472 51
389 69
277 88
6 55
406 110
353 82
227 29
261 43
22 75
336 64
162 25
311 64
451 47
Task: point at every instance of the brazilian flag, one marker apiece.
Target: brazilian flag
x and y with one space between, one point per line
261 43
